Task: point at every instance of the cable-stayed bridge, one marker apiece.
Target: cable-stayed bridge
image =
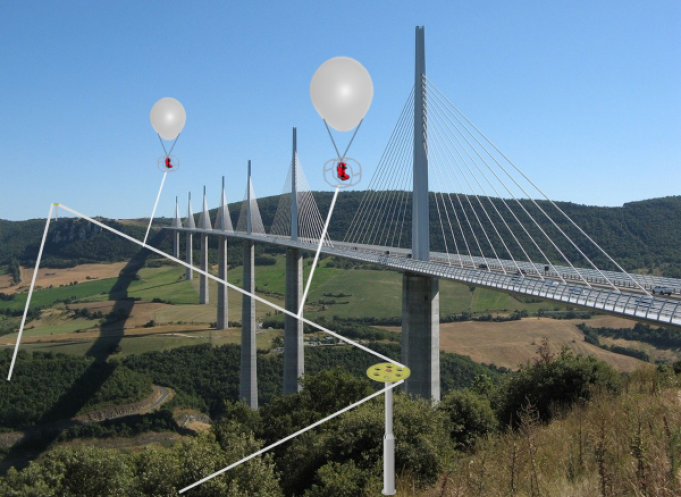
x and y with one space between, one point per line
444 203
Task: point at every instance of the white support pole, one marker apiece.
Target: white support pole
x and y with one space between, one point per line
389 445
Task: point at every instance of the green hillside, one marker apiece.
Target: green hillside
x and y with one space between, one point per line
639 235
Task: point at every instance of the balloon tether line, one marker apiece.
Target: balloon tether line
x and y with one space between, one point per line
171 148
334 143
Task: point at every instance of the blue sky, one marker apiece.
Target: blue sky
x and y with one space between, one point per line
585 96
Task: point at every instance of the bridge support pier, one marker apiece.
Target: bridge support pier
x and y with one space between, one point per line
421 335
223 301
203 279
294 359
189 274
176 244
248 383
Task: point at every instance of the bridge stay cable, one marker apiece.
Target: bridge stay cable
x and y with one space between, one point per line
437 114
390 189
501 265
522 207
500 197
437 152
357 225
375 211
541 229
396 188
546 197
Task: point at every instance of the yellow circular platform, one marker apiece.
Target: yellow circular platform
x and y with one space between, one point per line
387 372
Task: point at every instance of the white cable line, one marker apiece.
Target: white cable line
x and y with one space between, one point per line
319 249
165 173
233 287
402 164
458 221
436 149
30 292
400 191
359 214
283 440
541 229
437 115
442 228
410 179
527 257
374 206
555 205
446 186
463 175
544 212
382 210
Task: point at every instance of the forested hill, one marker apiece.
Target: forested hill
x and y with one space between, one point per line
639 235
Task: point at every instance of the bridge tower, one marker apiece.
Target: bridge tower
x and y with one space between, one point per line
189 274
204 224
248 383
420 294
177 223
294 361
222 223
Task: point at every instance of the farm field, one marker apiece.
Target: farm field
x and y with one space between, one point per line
56 277
512 343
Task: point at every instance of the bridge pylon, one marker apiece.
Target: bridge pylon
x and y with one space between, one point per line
204 224
223 223
294 361
189 256
420 294
248 382
177 223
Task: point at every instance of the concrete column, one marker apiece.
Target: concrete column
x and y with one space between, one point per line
421 335
203 279
189 274
223 308
176 244
294 358
248 386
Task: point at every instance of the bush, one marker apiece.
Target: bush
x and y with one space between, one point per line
470 416
550 383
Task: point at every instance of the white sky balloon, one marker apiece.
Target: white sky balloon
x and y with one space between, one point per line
341 92
168 118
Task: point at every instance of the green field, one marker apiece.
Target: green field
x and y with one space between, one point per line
368 293
44 297
139 345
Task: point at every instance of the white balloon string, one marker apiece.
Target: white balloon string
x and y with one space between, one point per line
171 148
164 147
353 137
341 157
331 136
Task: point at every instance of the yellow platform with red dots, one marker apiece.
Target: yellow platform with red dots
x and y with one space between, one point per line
387 372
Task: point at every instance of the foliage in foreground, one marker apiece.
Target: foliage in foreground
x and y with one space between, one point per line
614 445
90 471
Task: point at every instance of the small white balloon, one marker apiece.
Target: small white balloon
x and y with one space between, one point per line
341 92
168 118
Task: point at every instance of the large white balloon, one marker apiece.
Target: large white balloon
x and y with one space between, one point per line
341 91
168 117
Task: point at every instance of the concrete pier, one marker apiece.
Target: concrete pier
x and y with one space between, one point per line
223 223
248 383
189 256
421 335
223 300
294 359
203 279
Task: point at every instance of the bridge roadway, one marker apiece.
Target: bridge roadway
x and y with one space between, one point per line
628 302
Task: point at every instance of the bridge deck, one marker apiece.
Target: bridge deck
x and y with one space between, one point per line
625 303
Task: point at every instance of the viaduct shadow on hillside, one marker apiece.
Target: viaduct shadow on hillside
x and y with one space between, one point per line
38 440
